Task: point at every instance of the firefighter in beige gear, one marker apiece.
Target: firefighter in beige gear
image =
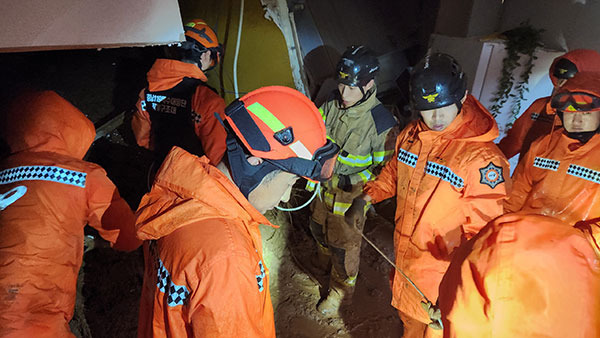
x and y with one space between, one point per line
357 122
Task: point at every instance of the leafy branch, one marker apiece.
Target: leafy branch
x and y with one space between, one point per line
522 40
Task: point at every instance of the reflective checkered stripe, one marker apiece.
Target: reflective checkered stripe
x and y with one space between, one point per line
584 173
443 172
365 175
379 156
176 294
43 173
546 163
260 279
535 116
340 208
407 157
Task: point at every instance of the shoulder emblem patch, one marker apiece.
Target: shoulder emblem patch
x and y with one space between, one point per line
491 175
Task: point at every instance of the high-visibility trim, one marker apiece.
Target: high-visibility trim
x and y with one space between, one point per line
310 186
43 173
328 198
322 114
330 139
365 175
546 163
355 160
445 173
407 158
584 173
300 150
379 156
340 208
266 116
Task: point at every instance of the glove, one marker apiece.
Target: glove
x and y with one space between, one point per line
434 314
344 183
355 215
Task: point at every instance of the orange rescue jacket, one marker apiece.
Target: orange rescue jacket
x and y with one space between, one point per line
537 121
523 276
47 195
166 74
205 275
448 185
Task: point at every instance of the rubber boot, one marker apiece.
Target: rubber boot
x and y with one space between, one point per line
339 294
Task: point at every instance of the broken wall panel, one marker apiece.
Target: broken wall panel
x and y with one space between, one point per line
30 25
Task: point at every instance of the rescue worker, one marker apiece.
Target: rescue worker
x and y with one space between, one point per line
47 196
178 107
539 119
357 122
560 175
449 180
524 276
205 275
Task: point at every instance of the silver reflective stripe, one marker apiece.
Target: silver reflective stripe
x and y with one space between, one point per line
43 173
546 163
407 157
584 173
444 173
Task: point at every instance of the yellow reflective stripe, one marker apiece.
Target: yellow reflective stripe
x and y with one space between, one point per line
379 156
322 114
328 197
356 160
330 139
340 208
266 116
310 186
365 175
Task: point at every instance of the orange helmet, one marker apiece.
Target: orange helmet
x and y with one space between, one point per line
570 63
201 38
283 127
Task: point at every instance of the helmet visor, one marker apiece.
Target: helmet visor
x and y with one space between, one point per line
575 102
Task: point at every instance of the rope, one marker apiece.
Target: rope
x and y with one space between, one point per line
397 269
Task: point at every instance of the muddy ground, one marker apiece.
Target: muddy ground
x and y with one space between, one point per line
105 83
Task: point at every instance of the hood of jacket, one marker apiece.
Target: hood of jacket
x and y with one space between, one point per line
474 123
166 74
46 122
186 190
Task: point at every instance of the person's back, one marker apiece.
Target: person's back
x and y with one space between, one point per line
177 107
523 276
48 195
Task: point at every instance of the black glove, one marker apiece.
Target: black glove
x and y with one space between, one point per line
355 215
344 183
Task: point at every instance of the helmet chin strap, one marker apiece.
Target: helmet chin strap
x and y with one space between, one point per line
245 175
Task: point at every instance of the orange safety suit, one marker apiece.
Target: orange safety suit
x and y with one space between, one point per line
448 185
537 121
523 276
560 176
176 120
205 275
47 195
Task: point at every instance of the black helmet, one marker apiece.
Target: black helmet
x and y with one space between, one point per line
357 66
437 81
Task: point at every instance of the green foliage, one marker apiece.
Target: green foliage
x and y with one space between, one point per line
522 40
